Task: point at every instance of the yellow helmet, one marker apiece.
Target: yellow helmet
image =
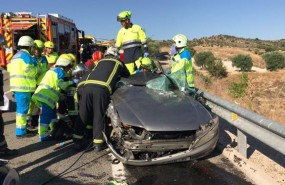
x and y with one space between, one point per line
73 58
63 60
144 63
49 44
124 15
39 43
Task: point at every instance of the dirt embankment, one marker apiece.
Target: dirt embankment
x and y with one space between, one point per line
265 94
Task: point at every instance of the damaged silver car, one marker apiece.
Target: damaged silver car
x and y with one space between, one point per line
152 120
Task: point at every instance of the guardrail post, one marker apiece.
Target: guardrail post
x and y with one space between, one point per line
242 143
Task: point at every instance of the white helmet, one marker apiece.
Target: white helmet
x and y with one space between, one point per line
180 40
112 51
26 41
63 60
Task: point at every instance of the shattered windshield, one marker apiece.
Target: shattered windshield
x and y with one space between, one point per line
169 82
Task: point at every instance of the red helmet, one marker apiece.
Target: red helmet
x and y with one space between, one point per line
97 55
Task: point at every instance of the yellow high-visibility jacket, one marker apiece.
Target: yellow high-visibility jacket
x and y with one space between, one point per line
23 70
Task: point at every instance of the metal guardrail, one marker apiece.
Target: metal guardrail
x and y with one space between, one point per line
267 131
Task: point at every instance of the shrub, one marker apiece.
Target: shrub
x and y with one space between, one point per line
274 60
244 62
217 69
238 89
202 59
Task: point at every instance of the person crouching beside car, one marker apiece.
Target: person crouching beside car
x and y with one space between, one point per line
94 91
47 95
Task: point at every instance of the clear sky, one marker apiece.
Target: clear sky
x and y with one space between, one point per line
162 19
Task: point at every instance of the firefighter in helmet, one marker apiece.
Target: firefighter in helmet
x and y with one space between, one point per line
182 59
49 53
4 150
94 91
130 38
23 72
48 93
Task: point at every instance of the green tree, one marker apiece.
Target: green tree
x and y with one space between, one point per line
217 69
202 59
244 62
274 60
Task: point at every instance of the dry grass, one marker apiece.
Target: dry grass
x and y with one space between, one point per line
265 94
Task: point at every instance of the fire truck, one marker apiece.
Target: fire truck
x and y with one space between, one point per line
61 30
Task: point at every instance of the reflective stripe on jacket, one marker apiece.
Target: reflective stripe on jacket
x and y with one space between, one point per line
48 91
23 71
105 74
131 37
183 60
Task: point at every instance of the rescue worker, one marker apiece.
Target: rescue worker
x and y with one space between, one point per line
4 150
47 95
43 67
130 38
49 53
23 70
94 91
182 59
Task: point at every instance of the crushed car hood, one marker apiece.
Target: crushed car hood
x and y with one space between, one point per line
157 110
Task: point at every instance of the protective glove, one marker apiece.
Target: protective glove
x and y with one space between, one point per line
145 54
173 50
75 81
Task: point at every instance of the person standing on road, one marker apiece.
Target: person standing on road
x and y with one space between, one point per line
23 70
4 150
130 38
43 67
182 59
94 91
47 95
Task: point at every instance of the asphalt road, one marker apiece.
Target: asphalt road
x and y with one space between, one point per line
49 163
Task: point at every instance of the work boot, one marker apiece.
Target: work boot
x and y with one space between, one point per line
83 144
33 125
6 152
27 135
99 146
32 128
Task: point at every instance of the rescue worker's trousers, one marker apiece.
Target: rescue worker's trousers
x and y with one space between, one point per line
93 103
130 56
23 100
33 114
47 121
